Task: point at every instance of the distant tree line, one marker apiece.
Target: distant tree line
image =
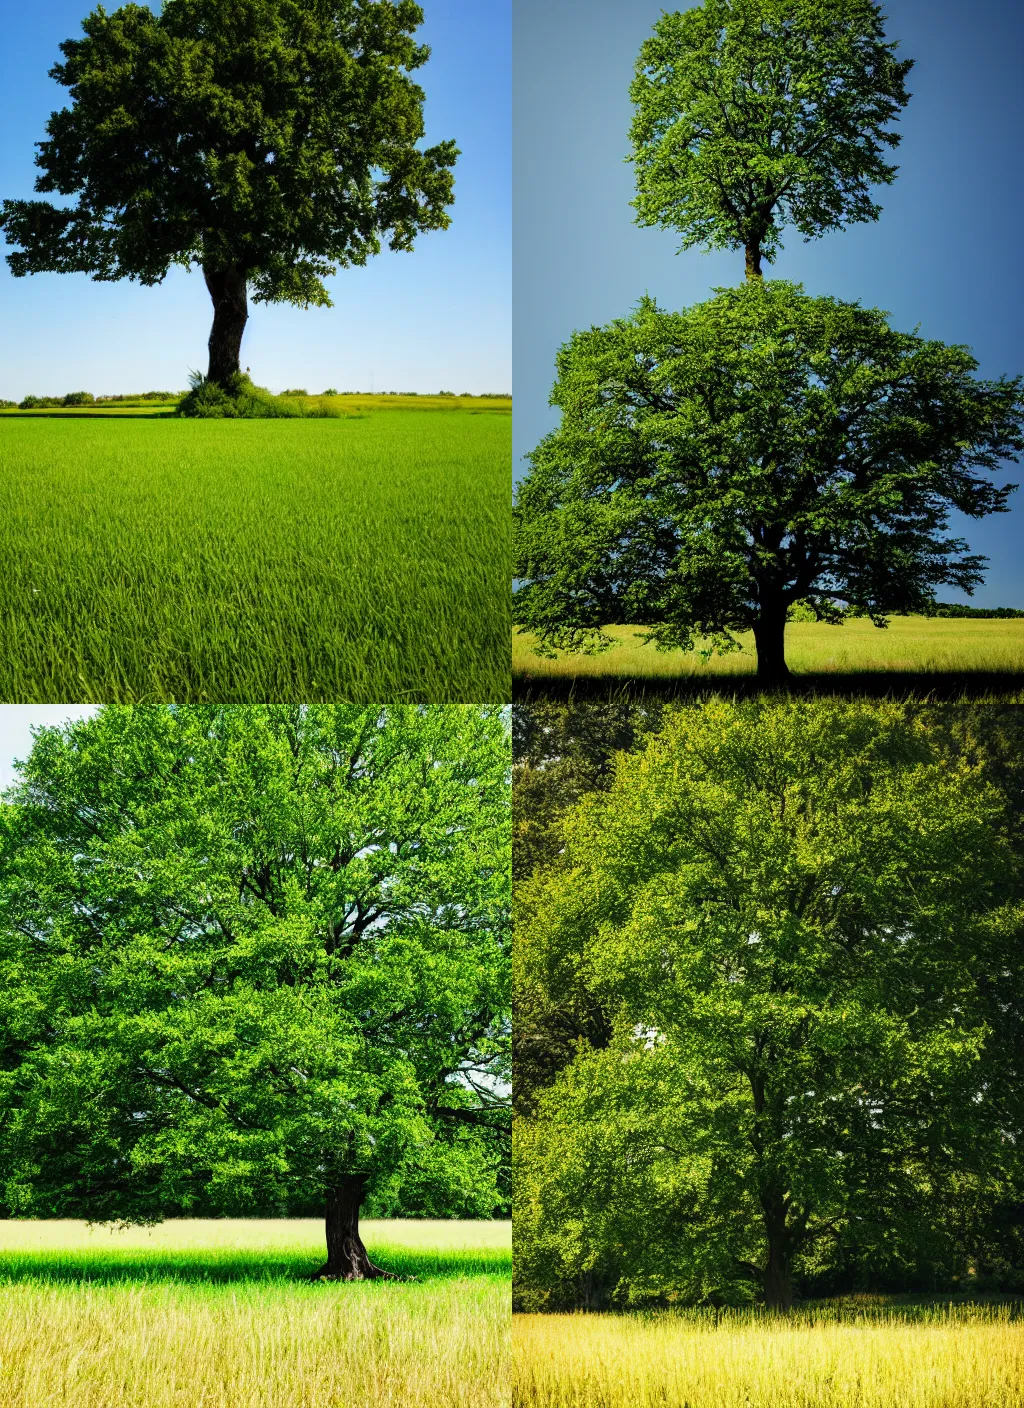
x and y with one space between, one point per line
768 1001
86 398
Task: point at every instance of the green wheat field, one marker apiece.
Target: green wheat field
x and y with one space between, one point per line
358 558
909 645
216 1314
860 1354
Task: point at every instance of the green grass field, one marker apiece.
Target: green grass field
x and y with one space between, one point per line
348 403
218 1315
918 646
363 558
857 1355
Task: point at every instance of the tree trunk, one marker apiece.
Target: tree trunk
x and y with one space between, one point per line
778 1274
754 259
230 315
770 643
347 1258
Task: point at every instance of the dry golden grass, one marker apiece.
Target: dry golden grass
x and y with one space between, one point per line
216 1315
943 1359
917 644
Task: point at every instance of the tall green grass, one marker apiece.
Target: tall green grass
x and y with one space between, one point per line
220 1314
834 1356
908 645
363 558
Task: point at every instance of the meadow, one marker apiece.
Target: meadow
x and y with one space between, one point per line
854 1355
910 645
216 1314
363 557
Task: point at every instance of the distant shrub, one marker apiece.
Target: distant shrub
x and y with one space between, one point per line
297 391
36 403
955 611
78 398
7 405
446 393
242 400
142 396
331 391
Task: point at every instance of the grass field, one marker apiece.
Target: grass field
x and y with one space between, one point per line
823 1357
912 645
217 1315
349 403
363 558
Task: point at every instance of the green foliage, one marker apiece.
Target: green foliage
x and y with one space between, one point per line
754 114
801 920
715 466
249 950
34 403
561 753
958 611
272 137
239 399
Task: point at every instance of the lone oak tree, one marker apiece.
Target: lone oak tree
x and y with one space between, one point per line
267 141
754 114
797 915
715 466
254 958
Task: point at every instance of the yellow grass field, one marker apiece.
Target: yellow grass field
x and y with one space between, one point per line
209 1314
959 1357
910 644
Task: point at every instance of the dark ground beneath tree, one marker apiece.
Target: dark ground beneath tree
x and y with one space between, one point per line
990 686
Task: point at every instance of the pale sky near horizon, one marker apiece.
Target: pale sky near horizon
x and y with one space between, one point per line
16 724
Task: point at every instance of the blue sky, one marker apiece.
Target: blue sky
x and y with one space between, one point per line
435 319
945 254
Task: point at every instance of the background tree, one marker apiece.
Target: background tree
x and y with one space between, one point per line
258 957
755 114
714 467
793 913
266 141
561 752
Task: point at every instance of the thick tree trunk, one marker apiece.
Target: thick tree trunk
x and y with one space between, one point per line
778 1274
230 315
347 1258
770 643
754 259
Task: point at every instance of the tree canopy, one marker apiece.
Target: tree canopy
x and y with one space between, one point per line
256 959
755 114
716 466
803 922
266 141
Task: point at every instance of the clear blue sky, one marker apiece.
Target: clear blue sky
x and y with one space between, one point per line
435 319
946 253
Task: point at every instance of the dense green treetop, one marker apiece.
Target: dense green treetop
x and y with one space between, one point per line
803 921
715 466
251 953
756 114
272 137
